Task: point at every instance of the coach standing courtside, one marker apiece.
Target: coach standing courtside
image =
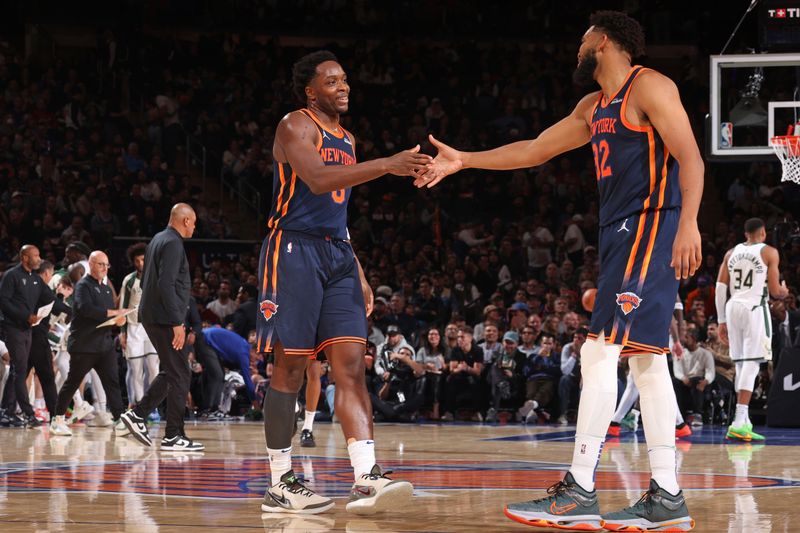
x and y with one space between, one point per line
166 287
20 294
91 347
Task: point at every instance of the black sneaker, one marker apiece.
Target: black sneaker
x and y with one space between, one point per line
180 443
10 421
307 439
30 421
137 426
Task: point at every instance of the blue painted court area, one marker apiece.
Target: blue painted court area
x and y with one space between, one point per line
704 435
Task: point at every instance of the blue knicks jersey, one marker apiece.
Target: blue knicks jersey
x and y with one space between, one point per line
296 208
635 172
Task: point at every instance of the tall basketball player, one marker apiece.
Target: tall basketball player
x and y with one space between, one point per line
313 290
748 270
650 181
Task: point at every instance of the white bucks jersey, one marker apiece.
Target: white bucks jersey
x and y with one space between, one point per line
748 273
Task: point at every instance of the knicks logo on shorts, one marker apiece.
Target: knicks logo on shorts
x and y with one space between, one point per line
268 309
628 301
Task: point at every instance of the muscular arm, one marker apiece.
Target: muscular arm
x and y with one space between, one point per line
658 98
772 258
296 143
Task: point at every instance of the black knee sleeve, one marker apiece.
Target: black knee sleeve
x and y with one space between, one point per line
279 419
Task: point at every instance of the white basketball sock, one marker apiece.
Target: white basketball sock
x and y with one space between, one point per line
658 415
308 424
598 398
678 416
362 456
742 415
280 462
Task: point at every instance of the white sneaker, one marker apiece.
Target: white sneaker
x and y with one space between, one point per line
562 420
526 409
374 492
120 429
58 427
180 443
102 419
289 495
81 412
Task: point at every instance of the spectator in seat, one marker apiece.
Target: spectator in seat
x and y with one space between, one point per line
569 383
431 357
463 383
541 372
223 305
243 320
504 374
491 346
725 369
693 372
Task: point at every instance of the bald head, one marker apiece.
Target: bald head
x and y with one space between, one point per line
29 257
182 219
98 265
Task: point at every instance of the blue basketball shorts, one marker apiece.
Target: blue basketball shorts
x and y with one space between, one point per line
310 294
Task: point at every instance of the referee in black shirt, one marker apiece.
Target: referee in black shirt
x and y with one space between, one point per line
20 296
166 287
91 347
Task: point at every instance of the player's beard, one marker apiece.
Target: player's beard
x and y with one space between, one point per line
584 72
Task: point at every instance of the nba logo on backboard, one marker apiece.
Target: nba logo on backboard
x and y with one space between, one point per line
726 135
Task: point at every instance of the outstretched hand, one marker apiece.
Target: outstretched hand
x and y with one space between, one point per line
448 161
408 162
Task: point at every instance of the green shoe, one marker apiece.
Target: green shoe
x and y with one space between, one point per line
568 506
744 433
656 510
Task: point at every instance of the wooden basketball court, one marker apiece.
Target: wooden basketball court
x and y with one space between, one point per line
463 474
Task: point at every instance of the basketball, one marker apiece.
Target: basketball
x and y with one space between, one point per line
588 299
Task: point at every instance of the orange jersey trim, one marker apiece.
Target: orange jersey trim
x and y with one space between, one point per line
603 97
624 107
319 123
340 340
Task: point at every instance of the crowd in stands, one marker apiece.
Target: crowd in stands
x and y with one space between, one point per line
478 282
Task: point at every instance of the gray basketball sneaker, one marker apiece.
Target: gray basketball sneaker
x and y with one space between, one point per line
656 510
568 506
290 495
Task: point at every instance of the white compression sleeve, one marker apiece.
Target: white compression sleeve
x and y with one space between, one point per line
720 299
658 415
598 399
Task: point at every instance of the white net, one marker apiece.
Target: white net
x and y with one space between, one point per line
787 148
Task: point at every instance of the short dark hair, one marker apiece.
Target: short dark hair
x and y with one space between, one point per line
250 290
44 266
466 329
304 70
622 29
752 225
136 250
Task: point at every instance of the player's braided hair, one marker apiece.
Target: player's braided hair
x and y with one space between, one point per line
622 29
304 70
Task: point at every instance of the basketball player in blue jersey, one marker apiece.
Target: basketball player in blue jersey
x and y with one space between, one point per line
650 181
313 293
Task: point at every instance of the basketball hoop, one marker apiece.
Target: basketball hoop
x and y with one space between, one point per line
787 148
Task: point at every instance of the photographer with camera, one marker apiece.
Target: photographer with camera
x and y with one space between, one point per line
403 389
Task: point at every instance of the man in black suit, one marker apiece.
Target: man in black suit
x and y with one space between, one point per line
166 287
90 345
20 297
785 329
